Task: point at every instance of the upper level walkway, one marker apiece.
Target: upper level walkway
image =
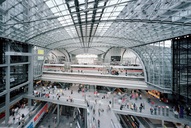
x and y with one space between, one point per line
79 101
118 81
98 102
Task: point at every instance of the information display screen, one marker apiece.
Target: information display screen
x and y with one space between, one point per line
115 58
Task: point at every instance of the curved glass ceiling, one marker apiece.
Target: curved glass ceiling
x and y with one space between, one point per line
95 25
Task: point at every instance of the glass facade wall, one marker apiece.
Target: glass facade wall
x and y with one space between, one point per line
182 68
156 58
15 72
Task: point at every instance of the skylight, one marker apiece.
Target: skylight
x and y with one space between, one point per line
59 8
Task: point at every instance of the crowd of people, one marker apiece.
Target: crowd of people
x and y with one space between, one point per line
16 112
127 102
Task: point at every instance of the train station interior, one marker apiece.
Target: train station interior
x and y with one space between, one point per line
95 64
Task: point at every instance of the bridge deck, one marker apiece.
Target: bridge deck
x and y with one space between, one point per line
97 79
80 102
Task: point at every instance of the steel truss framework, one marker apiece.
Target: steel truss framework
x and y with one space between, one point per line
86 26
45 22
157 61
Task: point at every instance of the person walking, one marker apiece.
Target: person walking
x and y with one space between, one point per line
140 96
99 112
121 107
55 119
140 109
13 119
98 123
151 110
134 106
70 124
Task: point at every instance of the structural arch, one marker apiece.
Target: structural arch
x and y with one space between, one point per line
157 61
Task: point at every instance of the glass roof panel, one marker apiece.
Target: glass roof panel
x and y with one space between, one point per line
63 7
54 20
101 3
50 4
59 2
59 8
54 10
73 9
81 1
109 13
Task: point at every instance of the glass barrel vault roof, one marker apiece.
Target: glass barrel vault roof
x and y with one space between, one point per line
93 25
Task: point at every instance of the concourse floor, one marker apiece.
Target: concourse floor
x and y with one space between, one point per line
146 112
107 117
15 123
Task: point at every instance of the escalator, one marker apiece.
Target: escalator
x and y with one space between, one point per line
111 89
121 90
130 121
125 122
144 122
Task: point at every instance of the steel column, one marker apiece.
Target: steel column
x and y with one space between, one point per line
58 114
7 101
85 118
30 74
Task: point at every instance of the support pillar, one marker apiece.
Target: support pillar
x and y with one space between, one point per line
85 118
7 97
58 114
30 74
112 102
162 123
85 97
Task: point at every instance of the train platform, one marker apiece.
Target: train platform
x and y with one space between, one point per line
97 79
95 72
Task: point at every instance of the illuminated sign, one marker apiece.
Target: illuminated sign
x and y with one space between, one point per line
40 57
41 52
